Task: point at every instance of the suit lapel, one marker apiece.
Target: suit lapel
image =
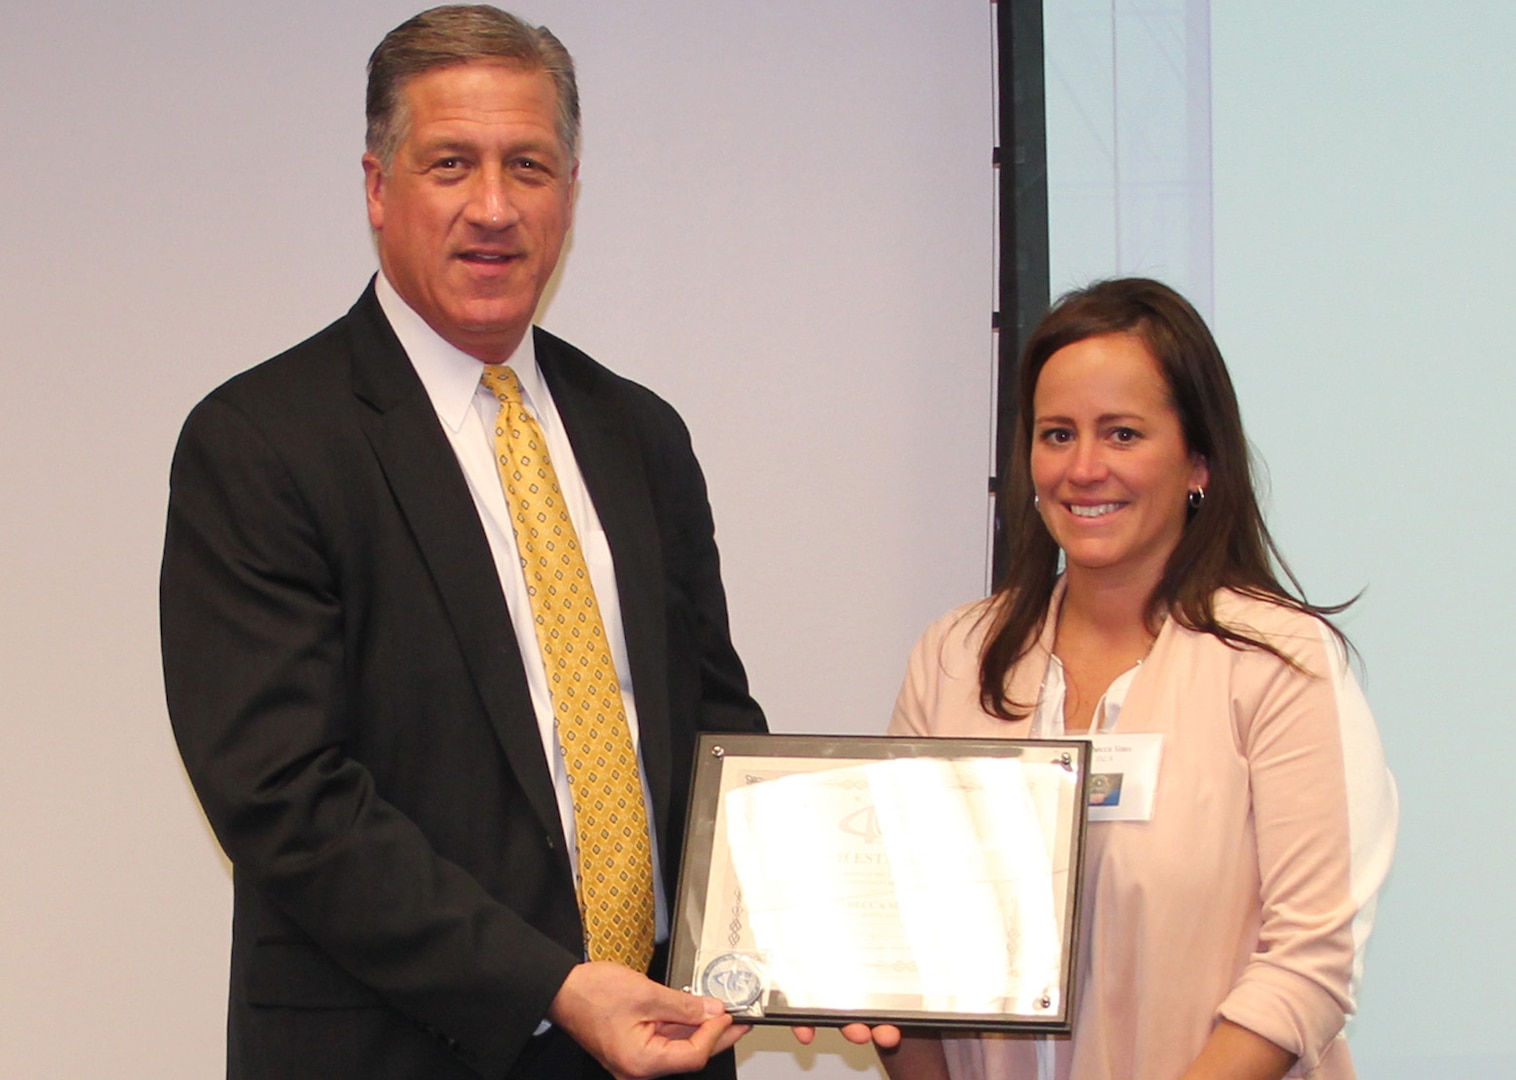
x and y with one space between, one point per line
610 460
433 496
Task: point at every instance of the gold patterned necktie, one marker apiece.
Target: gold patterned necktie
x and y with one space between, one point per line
610 819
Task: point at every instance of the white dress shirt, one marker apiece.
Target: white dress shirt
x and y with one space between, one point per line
467 411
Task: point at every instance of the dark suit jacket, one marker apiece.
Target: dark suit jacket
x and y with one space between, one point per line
350 703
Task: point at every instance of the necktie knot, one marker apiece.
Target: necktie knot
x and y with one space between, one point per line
502 381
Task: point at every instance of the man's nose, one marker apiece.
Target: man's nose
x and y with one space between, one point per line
492 205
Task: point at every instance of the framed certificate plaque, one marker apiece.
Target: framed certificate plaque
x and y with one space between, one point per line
923 882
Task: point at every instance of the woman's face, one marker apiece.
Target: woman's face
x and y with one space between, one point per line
1109 461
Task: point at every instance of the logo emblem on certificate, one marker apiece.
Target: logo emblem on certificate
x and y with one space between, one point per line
734 980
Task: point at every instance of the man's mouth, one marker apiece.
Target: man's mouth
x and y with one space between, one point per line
488 258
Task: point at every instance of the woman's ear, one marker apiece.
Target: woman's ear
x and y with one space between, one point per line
1200 472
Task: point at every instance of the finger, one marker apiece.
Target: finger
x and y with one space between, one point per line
678 1007
804 1035
705 1037
729 1038
687 1054
674 1031
886 1036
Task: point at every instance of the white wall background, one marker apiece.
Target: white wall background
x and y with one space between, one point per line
1362 185
784 227
1129 142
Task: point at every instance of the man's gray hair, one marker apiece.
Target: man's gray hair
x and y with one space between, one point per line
456 34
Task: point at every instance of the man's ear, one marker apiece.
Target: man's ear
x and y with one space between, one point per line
373 189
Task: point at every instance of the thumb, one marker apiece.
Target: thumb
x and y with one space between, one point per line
679 1007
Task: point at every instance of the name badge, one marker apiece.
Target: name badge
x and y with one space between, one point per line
1124 776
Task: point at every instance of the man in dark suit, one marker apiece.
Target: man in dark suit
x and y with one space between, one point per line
348 638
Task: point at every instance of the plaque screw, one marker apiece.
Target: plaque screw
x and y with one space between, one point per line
1067 761
717 752
1045 1003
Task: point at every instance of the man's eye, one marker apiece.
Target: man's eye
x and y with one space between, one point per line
536 170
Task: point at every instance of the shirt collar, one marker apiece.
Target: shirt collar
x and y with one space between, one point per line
450 375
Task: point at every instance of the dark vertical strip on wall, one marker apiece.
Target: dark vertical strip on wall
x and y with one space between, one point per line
1023 194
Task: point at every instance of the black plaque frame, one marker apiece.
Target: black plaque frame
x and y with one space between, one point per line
742 975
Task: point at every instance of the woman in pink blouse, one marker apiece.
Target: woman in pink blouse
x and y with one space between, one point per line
1226 914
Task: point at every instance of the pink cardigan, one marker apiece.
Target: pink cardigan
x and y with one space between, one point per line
1250 893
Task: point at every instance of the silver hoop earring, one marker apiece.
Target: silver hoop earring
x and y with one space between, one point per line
1196 498
1037 503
